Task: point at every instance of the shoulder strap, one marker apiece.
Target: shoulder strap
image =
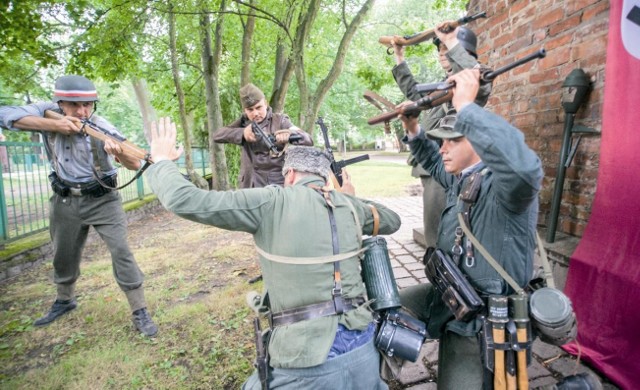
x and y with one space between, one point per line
308 260
376 220
548 275
519 290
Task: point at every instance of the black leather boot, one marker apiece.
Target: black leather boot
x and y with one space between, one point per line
57 309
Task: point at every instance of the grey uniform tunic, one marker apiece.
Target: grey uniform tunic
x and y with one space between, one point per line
503 219
71 217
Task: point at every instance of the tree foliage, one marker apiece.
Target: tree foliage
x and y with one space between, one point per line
315 57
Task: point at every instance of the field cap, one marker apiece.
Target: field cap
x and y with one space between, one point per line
250 95
445 128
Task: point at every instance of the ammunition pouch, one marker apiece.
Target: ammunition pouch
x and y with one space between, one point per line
401 335
457 293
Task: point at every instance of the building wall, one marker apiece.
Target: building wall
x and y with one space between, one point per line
574 35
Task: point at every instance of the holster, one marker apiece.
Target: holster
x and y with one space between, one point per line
457 293
262 354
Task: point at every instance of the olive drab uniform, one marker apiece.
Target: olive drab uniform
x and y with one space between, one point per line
258 167
503 219
293 221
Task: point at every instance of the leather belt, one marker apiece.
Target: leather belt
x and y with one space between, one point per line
316 310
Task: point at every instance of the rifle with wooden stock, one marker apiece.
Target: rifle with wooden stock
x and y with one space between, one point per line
420 37
440 93
93 130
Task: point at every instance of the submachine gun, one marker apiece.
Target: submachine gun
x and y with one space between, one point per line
336 166
270 140
440 93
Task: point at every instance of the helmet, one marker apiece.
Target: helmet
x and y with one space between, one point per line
467 39
74 89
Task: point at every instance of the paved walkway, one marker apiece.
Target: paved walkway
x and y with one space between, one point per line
550 363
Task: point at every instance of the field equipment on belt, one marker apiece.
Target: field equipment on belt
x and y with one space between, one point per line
401 335
457 293
378 275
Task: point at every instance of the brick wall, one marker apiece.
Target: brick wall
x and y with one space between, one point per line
574 34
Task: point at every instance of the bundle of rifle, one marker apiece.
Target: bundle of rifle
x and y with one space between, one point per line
440 93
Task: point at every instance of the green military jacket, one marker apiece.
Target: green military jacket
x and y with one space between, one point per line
504 216
294 222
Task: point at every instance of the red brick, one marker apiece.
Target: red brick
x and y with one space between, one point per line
577 5
548 18
558 41
596 10
592 48
564 25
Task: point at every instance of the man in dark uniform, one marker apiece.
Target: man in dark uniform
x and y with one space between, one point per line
79 167
259 166
476 144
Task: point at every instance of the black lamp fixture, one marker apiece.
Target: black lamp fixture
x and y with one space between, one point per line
574 92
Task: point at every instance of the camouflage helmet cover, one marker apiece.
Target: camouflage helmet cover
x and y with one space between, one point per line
74 89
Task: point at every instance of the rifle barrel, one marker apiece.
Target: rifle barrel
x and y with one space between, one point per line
488 76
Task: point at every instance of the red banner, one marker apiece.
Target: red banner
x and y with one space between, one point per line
604 272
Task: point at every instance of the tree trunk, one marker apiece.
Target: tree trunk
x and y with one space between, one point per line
247 37
281 62
306 18
211 66
144 102
193 175
315 100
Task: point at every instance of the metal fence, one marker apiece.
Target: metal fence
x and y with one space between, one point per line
25 189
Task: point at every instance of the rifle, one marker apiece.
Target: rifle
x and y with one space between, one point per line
261 355
336 166
441 92
270 140
420 37
91 129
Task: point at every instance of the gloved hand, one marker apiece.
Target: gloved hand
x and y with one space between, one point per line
282 136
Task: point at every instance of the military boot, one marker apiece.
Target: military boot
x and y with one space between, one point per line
143 322
57 309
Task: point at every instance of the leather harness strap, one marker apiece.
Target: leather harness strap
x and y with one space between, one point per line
316 310
376 220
